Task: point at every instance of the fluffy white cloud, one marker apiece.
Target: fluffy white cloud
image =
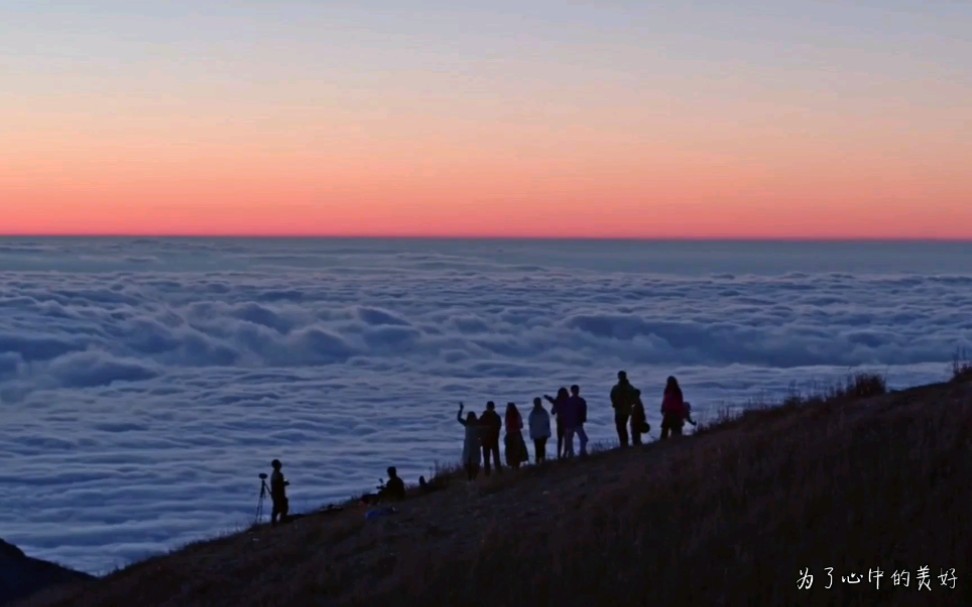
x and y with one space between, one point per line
145 383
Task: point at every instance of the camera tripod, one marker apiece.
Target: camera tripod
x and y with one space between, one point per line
264 490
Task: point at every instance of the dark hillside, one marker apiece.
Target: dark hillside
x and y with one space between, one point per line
728 517
21 575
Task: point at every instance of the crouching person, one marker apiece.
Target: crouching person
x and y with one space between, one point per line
394 489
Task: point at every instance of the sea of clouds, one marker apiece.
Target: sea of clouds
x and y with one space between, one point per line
145 383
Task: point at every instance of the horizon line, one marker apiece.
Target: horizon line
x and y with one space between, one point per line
245 236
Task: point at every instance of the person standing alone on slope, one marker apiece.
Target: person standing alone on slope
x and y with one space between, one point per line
278 494
622 400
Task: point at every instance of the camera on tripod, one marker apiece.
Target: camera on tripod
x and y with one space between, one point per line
264 490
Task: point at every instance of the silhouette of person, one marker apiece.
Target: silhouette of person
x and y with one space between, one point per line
539 429
622 400
556 405
639 419
394 488
472 445
516 451
574 415
491 424
278 493
673 409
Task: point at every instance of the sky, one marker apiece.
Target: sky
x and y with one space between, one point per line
601 119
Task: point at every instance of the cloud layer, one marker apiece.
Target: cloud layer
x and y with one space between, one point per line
145 383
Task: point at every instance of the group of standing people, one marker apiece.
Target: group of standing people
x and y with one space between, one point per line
481 444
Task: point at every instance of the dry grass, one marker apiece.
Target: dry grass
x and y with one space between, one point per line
726 517
853 387
961 367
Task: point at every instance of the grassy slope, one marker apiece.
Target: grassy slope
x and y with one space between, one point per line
727 517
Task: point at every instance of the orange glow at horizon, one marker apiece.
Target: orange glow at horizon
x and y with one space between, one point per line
607 189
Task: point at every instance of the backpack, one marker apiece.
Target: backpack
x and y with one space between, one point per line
638 412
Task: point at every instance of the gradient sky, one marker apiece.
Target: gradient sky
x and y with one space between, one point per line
629 119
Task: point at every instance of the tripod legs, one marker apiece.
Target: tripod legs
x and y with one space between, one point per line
281 507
